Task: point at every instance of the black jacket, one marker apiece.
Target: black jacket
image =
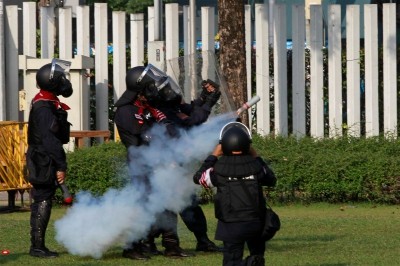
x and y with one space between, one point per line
239 201
131 125
48 129
194 114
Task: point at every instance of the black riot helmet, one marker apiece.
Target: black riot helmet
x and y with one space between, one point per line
168 91
132 77
135 84
235 136
52 77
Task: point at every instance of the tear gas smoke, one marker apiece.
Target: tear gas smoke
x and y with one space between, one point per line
161 175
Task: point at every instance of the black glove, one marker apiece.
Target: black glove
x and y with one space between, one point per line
212 98
203 95
213 83
172 130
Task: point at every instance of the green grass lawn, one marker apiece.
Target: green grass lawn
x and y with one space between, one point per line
316 234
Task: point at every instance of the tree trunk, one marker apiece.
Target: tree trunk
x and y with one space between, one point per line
232 50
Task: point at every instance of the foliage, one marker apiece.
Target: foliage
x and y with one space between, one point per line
96 168
308 170
333 170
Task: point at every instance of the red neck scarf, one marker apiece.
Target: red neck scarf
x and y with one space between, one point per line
157 114
49 96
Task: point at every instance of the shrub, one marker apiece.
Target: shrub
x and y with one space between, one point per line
333 170
96 168
328 170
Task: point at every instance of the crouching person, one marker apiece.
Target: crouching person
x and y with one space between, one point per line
238 173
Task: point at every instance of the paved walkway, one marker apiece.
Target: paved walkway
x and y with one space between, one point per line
4 204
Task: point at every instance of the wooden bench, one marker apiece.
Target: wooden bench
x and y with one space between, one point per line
80 136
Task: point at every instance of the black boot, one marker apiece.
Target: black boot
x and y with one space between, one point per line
40 216
171 243
175 251
254 260
206 245
135 252
150 247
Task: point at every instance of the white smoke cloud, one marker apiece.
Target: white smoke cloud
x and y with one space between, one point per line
120 216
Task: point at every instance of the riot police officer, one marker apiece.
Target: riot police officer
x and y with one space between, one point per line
134 116
48 130
187 115
238 173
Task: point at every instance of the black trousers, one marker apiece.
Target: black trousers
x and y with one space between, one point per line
43 192
194 218
166 226
233 251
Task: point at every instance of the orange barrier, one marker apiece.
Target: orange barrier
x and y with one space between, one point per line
13 146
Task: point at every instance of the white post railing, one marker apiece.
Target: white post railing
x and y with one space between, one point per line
353 69
280 71
298 71
335 71
47 32
65 32
262 69
137 39
101 65
371 70
29 32
316 91
389 70
119 53
325 104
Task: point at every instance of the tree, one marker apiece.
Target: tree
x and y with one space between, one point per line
232 55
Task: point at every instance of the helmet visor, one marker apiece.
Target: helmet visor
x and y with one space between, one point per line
160 79
58 65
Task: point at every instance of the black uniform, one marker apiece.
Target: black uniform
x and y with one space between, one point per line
186 116
48 130
133 121
239 216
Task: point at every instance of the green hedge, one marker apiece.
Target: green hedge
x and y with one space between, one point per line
329 170
96 169
334 170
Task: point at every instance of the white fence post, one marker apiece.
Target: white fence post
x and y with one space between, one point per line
29 30
371 70
208 42
192 22
316 93
172 37
65 32
262 69
335 71
47 32
248 32
82 32
280 71
101 65
11 56
389 70
137 39
353 69
298 71
150 24
119 53
318 115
